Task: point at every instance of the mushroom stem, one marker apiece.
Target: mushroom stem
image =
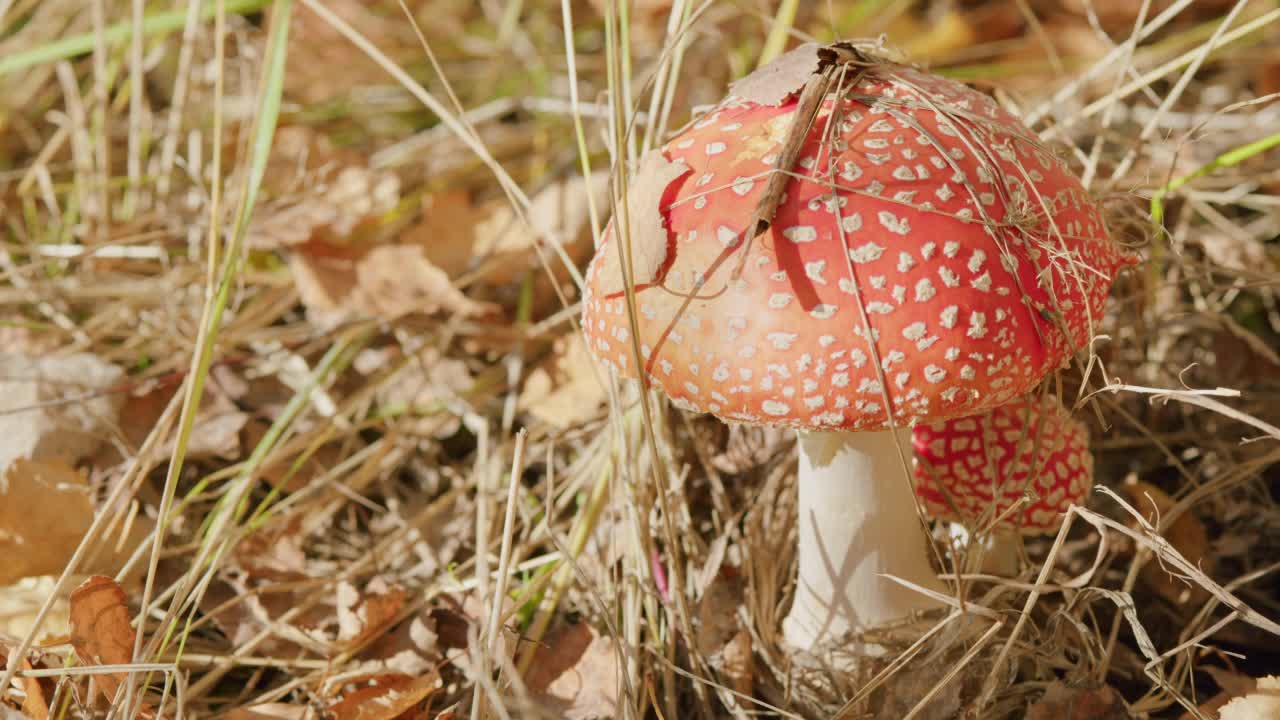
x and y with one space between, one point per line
857 523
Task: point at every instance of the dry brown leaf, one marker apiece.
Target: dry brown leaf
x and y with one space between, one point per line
365 615
56 405
649 239
412 647
447 231
575 672
558 213
35 702
780 79
324 65
1187 535
45 509
1061 702
385 282
100 630
395 280
565 389
318 193
274 551
386 697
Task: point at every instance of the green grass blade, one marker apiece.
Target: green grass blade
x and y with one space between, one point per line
157 24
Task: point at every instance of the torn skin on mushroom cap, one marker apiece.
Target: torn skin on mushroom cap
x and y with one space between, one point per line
973 469
916 203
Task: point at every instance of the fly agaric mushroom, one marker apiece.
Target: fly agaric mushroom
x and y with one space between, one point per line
928 258
974 470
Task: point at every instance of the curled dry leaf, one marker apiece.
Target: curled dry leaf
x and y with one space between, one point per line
780 79
35 702
558 213
1187 535
56 405
45 510
648 228
365 615
395 280
565 390
386 697
100 630
575 672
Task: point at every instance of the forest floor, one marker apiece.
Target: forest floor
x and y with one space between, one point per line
298 421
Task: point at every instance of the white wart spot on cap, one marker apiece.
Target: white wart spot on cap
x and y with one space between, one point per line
800 233
782 340
813 270
925 290
893 223
775 408
868 252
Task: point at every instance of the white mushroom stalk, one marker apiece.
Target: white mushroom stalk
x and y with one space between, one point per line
857 526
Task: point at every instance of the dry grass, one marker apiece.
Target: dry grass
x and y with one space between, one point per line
189 205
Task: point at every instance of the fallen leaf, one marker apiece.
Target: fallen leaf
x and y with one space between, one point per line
558 213
56 405
412 647
447 231
575 671
564 390
100 630
324 65
396 280
45 509
780 79
365 615
646 219
422 390
1261 704
1187 535
385 697
1061 702
319 194
35 703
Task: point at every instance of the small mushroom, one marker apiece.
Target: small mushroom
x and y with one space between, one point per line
1012 470
928 259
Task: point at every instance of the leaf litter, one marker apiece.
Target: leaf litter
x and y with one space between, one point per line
354 569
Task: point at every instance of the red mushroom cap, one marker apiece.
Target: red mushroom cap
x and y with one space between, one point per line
969 466
929 214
